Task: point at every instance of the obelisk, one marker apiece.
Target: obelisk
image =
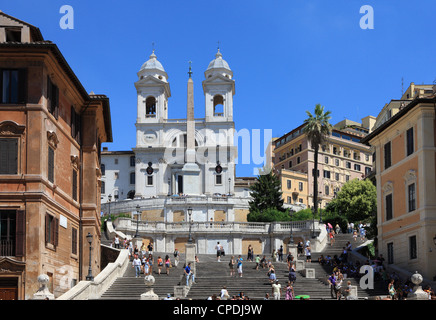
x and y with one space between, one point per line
191 171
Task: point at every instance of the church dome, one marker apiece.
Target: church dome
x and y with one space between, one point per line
218 64
153 66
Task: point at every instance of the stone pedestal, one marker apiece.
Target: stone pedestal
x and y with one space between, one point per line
299 265
137 242
149 295
43 293
191 179
292 248
418 293
309 273
181 291
190 251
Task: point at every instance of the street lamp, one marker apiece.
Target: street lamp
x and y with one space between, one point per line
189 214
137 220
291 238
169 187
230 179
110 198
89 277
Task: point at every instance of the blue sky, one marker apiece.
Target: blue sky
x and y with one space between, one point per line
286 55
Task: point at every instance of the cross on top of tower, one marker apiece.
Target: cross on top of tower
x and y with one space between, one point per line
190 71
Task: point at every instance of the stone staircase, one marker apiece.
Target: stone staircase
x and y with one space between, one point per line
211 276
322 272
129 287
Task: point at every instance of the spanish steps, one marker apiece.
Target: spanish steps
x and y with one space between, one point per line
211 276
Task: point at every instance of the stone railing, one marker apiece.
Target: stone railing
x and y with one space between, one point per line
129 226
88 290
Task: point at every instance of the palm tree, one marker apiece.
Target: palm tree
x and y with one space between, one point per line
317 130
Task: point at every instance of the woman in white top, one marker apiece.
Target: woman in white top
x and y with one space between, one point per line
224 293
308 254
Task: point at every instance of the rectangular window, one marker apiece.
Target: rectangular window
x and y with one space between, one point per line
132 178
348 165
290 164
387 148
326 160
50 165
74 193
218 179
289 200
390 253
132 161
327 190
289 184
298 160
13 86
412 248
300 186
337 162
74 241
103 187
410 142
388 206
52 98
116 175
8 156
337 176
347 178
326 174
51 230
412 197
149 180
313 172
357 167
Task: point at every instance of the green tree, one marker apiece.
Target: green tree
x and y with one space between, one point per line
266 198
317 129
356 201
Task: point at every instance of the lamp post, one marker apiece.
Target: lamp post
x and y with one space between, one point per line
89 277
230 179
137 220
189 214
109 198
291 238
169 187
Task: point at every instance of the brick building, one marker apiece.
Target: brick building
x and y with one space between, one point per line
51 132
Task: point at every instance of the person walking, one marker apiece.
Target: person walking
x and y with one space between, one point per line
159 264
332 283
218 252
281 253
249 253
276 289
117 242
239 266
176 257
308 254
150 248
289 292
257 262
232 266
299 248
391 289
167 264
136 264
189 274
150 263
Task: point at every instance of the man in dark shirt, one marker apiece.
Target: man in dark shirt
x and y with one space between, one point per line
332 281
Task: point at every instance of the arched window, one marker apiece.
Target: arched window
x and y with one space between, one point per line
218 106
150 107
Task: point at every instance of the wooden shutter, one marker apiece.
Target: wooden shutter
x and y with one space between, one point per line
50 168
8 156
56 231
20 234
47 228
74 241
73 122
56 101
49 102
22 86
74 193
